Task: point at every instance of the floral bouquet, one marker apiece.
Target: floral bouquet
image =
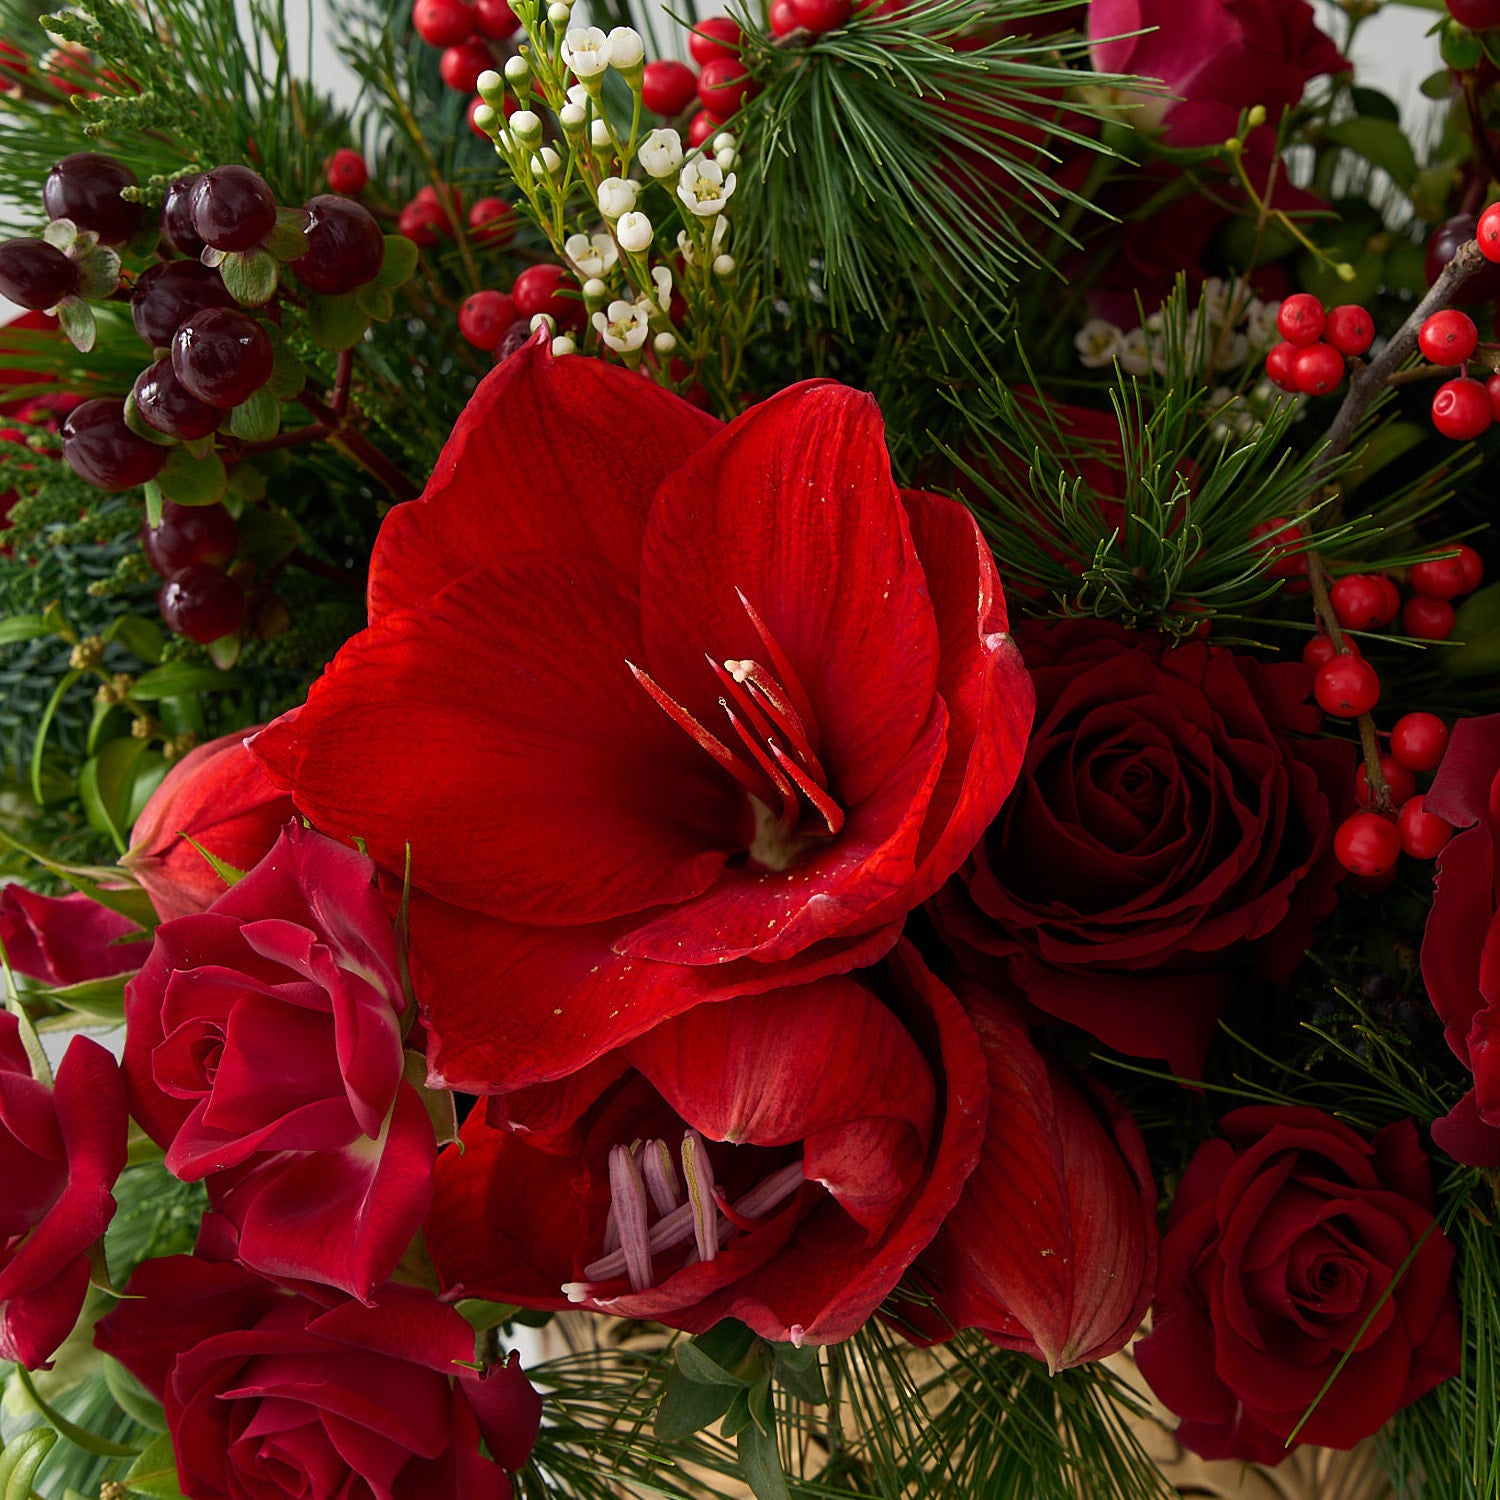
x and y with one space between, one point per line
748 753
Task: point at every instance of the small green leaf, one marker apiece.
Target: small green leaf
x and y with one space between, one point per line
250 276
247 482
737 1418
225 651
38 749
688 1406
175 679
60 234
375 300
132 1397
258 418
761 1464
1372 103
141 637
1382 143
1477 625
23 628
193 481
228 873
762 1412
1459 47
800 1373
288 374
336 323
155 1471
21 1459
153 503
1437 85
77 319
80 1437
696 1365
98 999
267 537
288 240
98 272
481 1316
399 262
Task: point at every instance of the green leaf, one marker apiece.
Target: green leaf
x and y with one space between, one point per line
155 1471
104 786
258 418
1382 143
439 1103
132 1397
23 628
21 1459
737 1418
288 373
336 323
98 272
481 1316
98 999
247 482
761 1464
375 300
688 1406
1459 48
267 537
800 1373
193 481
80 1437
153 503
228 873
225 651
141 637
696 1365
398 263
288 240
1477 625
176 679
1373 104
1437 85
77 319
39 747
250 276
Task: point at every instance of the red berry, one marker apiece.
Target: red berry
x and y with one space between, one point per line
1488 232
102 450
1318 368
818 16
783 18
1300 320
1399 781
167 295
539 289
202 603
1448 337
1444 244
190 534
668 87
1439 577
345 248
1367 844
1461 409
715 36
1359 602
462 64
495 19
1423 834
35 274
165 405
1473 567
701 127
233 208
1477 15
1346 687
492 221
1272 539
1321 648
1418 741
346 171
422 221
484 317
442 23
86 188
221 356
1427 619
1350 329
723 86
1280 359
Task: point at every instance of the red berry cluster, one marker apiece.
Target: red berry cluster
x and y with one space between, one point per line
1370 601
1462 408
464 31
1368 843
1310 360
191 550
723 84
501 321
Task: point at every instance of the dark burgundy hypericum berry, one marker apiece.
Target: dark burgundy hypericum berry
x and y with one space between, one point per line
164 405
85 188
177 217
344 246
222 357
189 535
233 209
167 295
1443 244
104 451
203 603
35 274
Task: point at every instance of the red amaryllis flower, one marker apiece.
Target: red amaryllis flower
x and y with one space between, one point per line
706 1170
268 1394
664 710
263 1050
61 1149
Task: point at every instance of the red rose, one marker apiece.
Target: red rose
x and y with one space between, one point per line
1165 818
1217 56
263 1050
728 1164
607 824
62 940
1051 1250
1461 943
219 797
270 1394
61 1149
1283 1256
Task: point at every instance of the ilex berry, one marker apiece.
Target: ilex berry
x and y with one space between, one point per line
1448 337
1418 741
1423 834
1317 369
1346 687
1300 319
1350 329
1367 844
346 172
1461 409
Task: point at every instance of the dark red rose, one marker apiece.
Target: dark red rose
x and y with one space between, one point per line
607 826
1166 817
63 940
271 1394
1461 944
61 1149
1283 1256
727 1163
218 796
1217 57
263 1051
1051 1249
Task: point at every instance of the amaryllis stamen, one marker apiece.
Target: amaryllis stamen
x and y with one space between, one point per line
661 1178
699 1173
627 1193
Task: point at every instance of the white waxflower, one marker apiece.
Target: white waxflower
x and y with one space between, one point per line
724 141
545 162
634 232
526 126
661 153
704 188
562 344
571 118
1260 324
490 86
624 328
626 49
617 196
590 257
1133 353
664 343
661 277
1216 298
726 159
599 134
723 265
585 50
594 290
1230 350
1097 343
485 119
559 13
517 70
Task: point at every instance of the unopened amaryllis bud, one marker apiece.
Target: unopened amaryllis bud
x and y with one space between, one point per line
585 50
634 232
625 327
617 196
703 187
661 153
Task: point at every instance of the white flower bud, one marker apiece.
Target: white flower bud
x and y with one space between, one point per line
724 141
543 320
585 50
491 86
626 49
545 162
625 327
526 126
661 277
723 265
559 13
661 153
594 290
485 119
617 196
664 343
599 135
634 232
517 71
563 344
726 160
571 118
703 187
578 95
